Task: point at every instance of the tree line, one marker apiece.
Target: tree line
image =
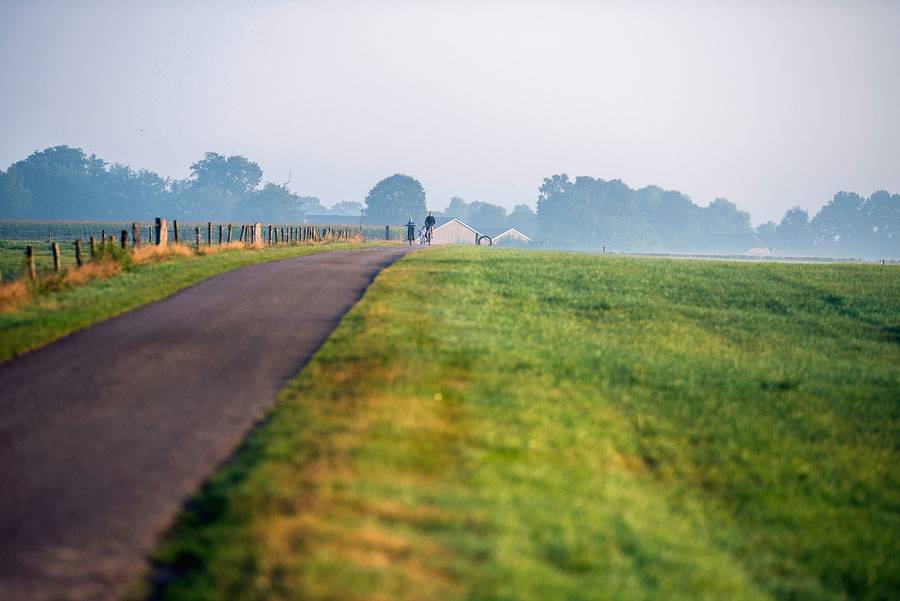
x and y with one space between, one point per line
588 213
63 183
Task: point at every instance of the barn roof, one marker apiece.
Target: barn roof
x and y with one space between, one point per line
444 222
501 232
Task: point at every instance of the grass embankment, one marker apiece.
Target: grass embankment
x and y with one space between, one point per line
514 425
35 314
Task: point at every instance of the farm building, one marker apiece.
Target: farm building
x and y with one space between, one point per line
454 231
505 235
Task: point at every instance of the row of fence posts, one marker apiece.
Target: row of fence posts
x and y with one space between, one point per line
159 234
253 234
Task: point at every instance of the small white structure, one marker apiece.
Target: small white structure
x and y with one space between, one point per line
509 235
454 232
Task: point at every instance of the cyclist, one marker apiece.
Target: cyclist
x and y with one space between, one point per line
429 226
411 231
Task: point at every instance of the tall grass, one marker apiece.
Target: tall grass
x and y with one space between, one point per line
490 425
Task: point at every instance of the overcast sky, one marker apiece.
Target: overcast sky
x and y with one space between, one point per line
770 105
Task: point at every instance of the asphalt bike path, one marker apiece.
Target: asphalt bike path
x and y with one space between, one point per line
104 434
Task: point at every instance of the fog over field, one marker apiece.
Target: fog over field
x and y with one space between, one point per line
770 105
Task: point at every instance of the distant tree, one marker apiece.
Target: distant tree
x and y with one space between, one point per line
457 209
676 221
795 232
882 217
62 182
590 213
219 188
16 201
234 174
347 207
523 219
486 215
723 217
130 194
840 225
768 233
396 199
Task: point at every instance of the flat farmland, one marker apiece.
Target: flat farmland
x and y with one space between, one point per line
492 424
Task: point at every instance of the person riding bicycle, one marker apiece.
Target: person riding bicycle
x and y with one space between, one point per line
429 226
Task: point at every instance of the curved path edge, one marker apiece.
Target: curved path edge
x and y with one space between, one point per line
106 432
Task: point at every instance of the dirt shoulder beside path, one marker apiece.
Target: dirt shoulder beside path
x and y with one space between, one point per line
106 432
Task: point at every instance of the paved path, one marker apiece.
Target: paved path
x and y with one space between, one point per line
105 433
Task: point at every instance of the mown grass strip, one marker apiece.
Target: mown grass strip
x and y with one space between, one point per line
514 425
44 317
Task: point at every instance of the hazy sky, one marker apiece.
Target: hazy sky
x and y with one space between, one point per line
768 104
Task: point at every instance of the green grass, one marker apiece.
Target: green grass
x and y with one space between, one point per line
510 425
12 257
49 316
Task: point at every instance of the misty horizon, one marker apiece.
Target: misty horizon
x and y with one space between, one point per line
430 200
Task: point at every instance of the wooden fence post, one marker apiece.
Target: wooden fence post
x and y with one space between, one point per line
229 233
29 263
123 238
149 234
220 234
102 236
162 232
78 252
175 229
57 260
197 234
136 234
387 232
209 232
93 247
270 235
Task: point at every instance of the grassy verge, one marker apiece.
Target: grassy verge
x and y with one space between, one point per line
514 425
59 306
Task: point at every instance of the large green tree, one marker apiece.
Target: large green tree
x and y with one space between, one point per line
396 199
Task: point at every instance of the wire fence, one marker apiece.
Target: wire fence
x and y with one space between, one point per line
38 247
69 231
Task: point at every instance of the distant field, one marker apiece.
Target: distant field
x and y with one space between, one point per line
491 424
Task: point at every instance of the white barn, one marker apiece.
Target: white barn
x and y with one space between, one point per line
454 232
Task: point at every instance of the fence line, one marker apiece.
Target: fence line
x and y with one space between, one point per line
65 231
135 234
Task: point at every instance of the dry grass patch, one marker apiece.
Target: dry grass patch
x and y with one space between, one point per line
151 253
99 270
13 295
227 246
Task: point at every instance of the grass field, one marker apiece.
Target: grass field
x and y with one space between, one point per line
511 425
47 317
